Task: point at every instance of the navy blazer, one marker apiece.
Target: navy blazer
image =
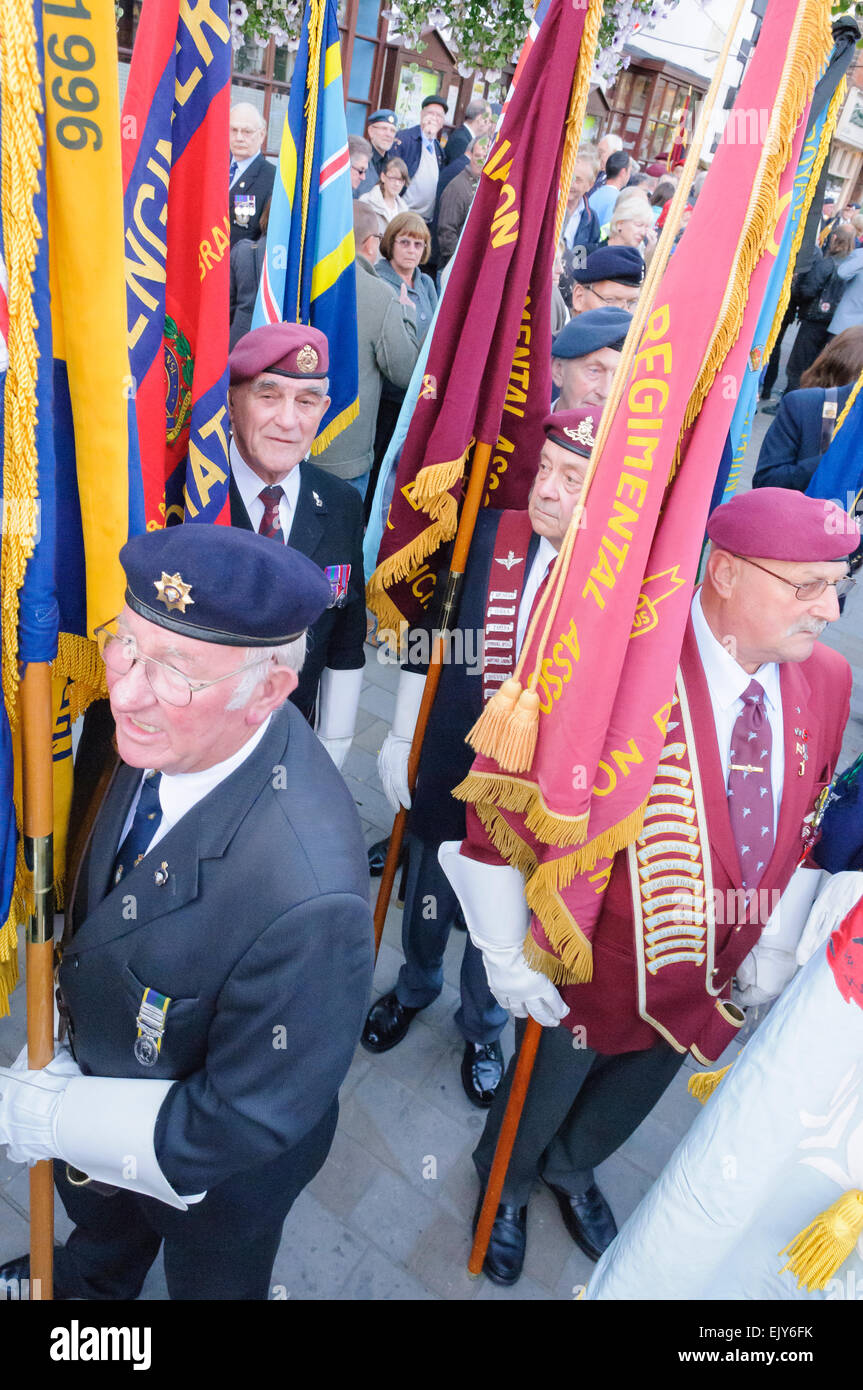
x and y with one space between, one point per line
257 182
446 759
328 527
252 915
791 450
408 145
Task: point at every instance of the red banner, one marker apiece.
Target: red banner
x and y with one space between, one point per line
604 651
488 375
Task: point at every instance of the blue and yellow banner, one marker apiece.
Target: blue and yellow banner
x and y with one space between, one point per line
308 274
824 113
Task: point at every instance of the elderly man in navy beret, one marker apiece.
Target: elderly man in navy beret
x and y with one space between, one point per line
381 131
584 357
216 959
764 706
510 557
278 396
611 278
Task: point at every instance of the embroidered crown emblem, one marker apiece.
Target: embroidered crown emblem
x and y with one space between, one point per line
173 592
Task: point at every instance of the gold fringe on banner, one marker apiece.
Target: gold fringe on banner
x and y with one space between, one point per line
810 40
572 963
828 128
20 104
507 841
822 1248
702 1084
431 495
79 661
335 427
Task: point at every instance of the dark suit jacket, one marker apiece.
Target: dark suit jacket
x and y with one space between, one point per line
791 450
247 263
328 527
446 758
257 182
408 145
261 937
456 143
820 689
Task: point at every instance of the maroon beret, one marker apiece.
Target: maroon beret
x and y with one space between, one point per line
777 523
574 429
288 349
655 171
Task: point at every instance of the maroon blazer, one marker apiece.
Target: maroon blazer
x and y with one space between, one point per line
684 1011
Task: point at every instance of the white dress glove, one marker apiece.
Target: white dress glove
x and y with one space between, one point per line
497 916
396 747
772 962
102 1125
338 700
840 893
30 1104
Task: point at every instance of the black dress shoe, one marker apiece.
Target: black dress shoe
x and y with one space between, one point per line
378 856
15 1280
588 1218
505 1255
387 1021
481 1071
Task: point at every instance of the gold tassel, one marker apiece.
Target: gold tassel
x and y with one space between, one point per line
703 1083
334 428
818 1251
488 730
518 736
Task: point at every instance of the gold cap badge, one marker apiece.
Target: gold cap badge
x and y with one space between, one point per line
173 592
583 432
307 358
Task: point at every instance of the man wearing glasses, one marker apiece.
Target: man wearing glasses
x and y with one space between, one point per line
742 768
216 960
611 278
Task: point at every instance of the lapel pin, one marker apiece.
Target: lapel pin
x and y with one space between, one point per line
160 877
318 502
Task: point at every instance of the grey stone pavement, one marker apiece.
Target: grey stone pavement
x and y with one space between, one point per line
388 1216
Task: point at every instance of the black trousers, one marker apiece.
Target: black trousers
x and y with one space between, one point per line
223 1247
580 1107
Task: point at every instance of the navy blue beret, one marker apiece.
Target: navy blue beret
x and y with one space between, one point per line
586 333
383 115
622 263
223 584
434 100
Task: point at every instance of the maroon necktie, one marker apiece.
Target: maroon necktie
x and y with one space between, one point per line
750 790
270 524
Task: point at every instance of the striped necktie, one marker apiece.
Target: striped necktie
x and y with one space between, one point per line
750 788
232 172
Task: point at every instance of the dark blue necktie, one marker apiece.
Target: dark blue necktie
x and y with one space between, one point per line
232 172
144 825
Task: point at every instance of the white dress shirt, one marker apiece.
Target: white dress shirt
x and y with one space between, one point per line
249 485
726 681
544 557
570 226
180 792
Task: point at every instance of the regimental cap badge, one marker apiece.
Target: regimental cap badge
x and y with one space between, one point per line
307 358
583 433
173 592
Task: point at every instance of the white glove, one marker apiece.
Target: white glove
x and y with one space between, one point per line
338 701
30 1104
102 1125
497 917
338 748
772 962
840 893
396 747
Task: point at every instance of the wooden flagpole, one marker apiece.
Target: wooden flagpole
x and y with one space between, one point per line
38 807
447 619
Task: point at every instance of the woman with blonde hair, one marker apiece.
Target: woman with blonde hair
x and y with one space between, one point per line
631 223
